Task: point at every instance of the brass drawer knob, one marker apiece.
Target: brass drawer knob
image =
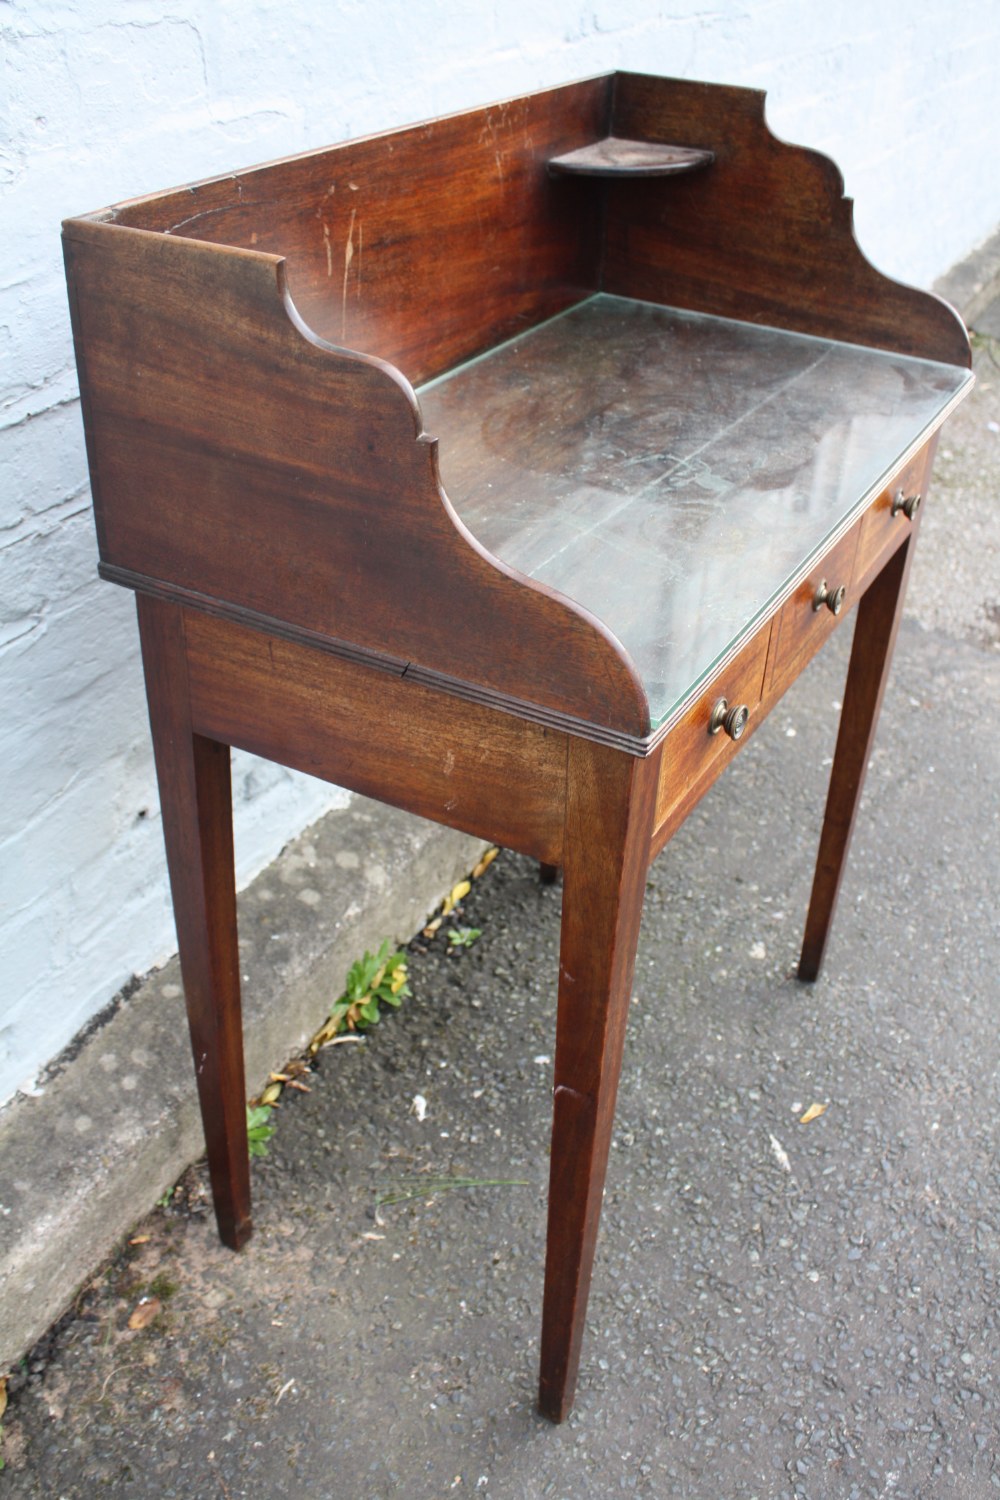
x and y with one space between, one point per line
732 720
832 598
906 505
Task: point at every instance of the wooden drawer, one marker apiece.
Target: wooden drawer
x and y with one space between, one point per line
692 756
801 628
881 530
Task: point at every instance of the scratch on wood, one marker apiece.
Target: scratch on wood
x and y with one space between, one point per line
348 257
361 254
329 248
212 213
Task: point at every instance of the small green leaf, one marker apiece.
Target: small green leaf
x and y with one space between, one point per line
372 980
463 937
259 1129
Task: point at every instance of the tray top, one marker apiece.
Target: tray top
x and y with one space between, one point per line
674 473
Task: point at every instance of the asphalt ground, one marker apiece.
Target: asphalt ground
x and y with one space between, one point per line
778 1309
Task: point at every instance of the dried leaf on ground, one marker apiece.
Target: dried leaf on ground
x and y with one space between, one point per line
455 895
145 1311
813 1113
485 863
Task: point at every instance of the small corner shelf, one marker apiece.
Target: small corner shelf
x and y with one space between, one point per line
615 157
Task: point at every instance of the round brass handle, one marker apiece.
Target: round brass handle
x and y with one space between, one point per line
906 505
732 720
832 598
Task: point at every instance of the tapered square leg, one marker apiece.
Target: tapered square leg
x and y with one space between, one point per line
196 803
879 614
610 805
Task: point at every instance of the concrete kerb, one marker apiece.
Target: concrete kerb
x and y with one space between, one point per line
115 1126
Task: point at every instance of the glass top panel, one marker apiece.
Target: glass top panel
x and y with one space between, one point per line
673 472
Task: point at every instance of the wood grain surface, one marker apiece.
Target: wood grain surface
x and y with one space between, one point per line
380 735
425 245
765 234
236 457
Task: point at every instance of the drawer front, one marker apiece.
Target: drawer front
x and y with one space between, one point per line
692 755
804 622
883 529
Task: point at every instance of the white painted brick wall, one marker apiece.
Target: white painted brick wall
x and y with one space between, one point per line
104 99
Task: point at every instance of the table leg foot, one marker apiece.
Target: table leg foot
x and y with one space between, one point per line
879 613
611 799
196 802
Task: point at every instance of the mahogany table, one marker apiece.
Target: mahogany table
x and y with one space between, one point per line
558 435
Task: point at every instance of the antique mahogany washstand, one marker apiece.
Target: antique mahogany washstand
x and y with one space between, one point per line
669 426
